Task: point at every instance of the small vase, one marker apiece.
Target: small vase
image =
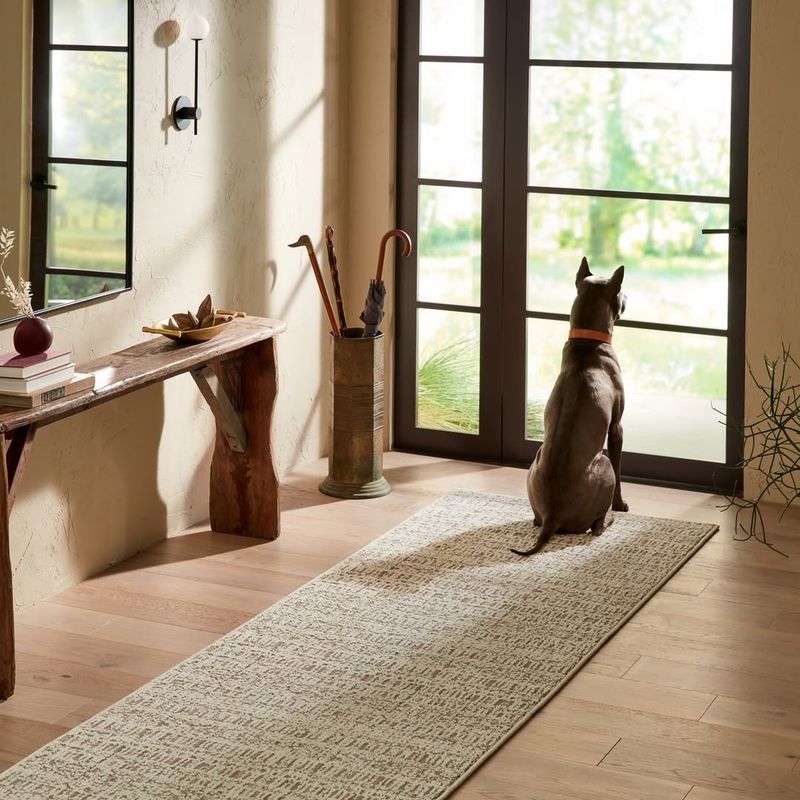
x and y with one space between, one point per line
32 336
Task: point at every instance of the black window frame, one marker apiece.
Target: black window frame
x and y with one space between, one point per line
501 438
41 160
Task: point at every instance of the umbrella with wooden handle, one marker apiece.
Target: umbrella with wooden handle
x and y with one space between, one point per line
372 314
305 241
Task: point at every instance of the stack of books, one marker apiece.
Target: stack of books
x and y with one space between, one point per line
30 381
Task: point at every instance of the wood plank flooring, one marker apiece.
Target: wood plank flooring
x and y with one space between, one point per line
698 697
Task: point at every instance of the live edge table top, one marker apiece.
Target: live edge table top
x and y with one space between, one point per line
142 364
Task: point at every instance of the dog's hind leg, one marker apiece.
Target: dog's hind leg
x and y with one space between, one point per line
542 536
615 456
601 523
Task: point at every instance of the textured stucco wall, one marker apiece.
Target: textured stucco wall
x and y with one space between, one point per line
213 212
773 246
370 72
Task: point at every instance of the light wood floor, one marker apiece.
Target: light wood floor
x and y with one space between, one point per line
697 697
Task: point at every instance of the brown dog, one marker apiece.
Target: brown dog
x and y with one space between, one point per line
572 483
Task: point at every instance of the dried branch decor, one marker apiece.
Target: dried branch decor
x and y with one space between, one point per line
771 445
20 296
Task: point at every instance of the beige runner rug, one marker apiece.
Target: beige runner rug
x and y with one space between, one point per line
390 677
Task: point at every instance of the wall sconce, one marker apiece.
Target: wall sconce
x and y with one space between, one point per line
183 111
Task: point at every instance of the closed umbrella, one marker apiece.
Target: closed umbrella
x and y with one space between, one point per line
372 315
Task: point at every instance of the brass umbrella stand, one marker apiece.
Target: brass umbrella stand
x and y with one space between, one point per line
355 455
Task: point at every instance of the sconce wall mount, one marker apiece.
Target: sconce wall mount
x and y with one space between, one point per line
184 111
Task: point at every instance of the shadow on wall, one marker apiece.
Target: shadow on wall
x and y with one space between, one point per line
97 475
280 117
166 34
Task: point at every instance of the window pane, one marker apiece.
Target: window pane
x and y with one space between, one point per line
673 384
637 130
451 28
694 31
89 105
448 370
545 343
451 124
61 289
674 274
95 22
449 247
87 218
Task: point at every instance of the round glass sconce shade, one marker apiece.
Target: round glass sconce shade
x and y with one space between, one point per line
197 28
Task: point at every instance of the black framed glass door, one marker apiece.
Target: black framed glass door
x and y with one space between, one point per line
452 107
618 130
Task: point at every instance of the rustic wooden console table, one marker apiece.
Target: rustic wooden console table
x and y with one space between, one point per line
236 373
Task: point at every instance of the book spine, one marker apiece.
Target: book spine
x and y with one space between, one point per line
52 394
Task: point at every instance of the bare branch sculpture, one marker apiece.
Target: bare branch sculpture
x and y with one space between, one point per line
771 446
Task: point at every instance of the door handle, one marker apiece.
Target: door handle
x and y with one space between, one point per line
40 184
739 229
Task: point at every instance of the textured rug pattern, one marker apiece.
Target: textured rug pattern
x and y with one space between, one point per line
389 677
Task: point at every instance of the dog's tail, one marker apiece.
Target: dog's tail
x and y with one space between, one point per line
543 534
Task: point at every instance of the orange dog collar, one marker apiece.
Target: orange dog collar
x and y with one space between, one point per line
587 333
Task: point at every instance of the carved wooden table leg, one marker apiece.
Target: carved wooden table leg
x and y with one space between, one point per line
244 485
12 465
7 668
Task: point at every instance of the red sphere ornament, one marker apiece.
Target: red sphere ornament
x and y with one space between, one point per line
32 336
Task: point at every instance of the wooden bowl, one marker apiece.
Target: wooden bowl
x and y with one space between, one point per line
195 334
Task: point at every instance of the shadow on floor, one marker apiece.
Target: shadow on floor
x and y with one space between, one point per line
186 547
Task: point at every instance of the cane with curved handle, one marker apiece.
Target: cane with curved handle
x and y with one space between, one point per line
398 233
305 241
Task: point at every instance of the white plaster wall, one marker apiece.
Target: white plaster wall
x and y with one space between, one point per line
773 246
213 213
371 136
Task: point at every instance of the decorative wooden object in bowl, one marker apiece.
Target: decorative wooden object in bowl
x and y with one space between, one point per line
195 334
200 327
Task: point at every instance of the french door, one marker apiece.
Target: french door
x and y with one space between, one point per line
532 133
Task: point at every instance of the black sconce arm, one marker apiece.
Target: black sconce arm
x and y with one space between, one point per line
183 110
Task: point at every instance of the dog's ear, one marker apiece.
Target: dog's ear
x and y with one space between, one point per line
583 271
615 281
